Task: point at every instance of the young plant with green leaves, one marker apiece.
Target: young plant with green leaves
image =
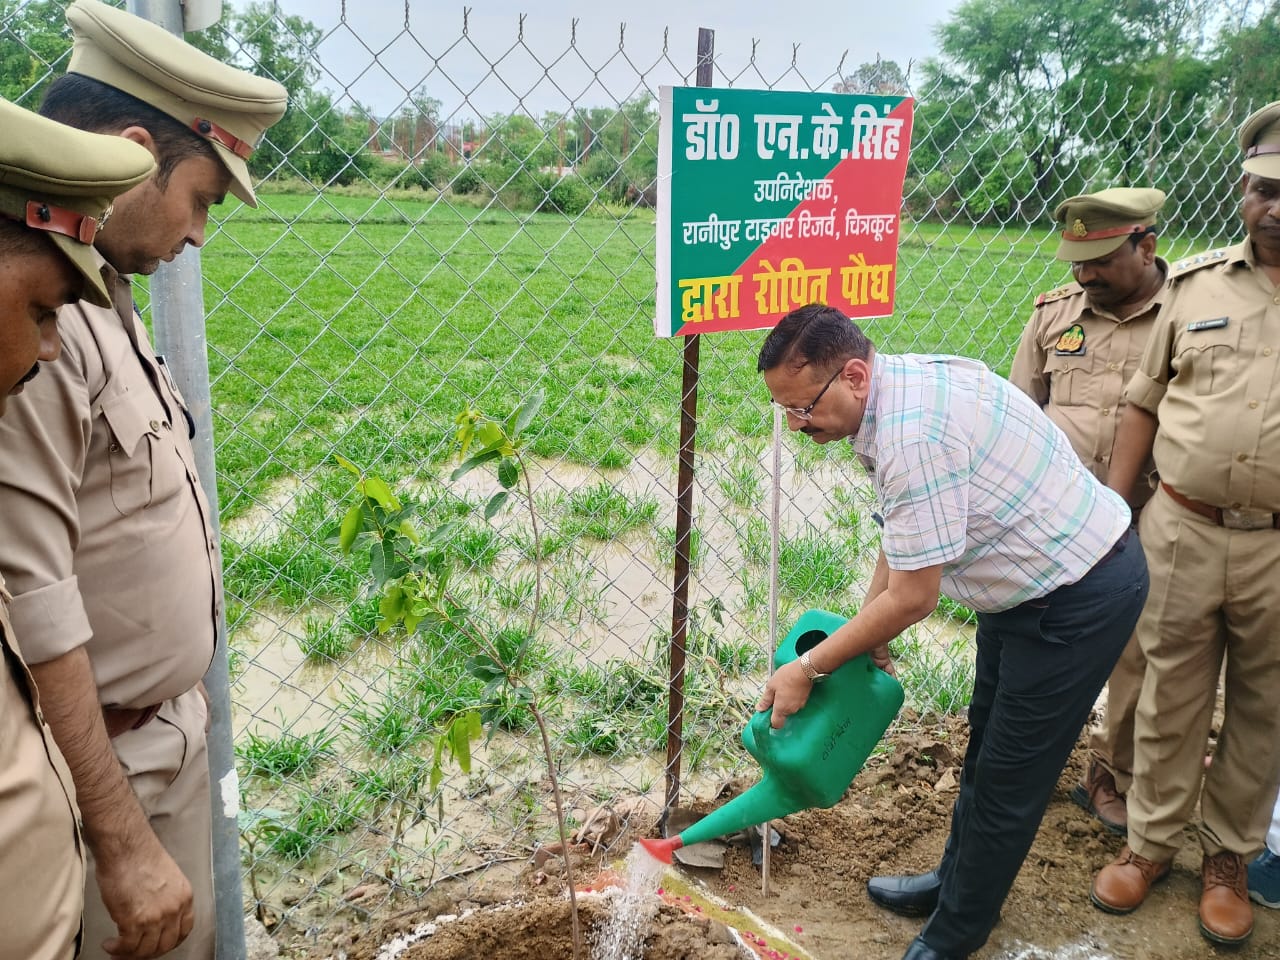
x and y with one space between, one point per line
414 573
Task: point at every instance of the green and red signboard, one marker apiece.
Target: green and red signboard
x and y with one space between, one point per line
769 200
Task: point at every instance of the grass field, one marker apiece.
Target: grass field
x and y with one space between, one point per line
364 324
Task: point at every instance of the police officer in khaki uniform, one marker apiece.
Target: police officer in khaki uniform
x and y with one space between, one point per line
1206 401
56 187
113 565
1078 351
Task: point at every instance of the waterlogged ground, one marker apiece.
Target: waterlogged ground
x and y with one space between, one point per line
894 820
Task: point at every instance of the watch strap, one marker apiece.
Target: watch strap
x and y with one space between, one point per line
810 671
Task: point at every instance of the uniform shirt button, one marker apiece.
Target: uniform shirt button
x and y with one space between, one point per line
1266 351
1253 404
114 448
1242 457
1098 458
1113 366
1106 411
155 424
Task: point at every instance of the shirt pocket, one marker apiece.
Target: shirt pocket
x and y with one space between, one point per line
1070 379
144 462
1207 359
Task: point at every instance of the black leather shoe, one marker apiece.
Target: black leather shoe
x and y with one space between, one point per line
919 950
914 896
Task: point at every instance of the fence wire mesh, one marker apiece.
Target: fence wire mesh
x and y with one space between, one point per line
487 231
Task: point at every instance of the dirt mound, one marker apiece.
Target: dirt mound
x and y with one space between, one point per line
540 931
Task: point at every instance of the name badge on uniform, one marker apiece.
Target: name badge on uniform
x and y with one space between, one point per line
1071 343
1217 323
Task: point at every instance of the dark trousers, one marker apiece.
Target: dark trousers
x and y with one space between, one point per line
1040 669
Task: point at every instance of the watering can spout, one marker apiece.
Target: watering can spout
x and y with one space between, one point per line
767 800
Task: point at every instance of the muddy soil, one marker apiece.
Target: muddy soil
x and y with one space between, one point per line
894 820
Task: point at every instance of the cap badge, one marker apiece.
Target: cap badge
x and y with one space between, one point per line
1079 229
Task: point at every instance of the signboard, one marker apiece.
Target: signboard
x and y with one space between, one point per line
769 200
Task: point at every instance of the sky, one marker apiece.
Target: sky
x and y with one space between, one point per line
373 59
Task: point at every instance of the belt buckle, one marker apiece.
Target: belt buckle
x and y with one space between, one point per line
1234 519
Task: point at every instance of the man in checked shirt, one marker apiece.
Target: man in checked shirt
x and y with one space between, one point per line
984 501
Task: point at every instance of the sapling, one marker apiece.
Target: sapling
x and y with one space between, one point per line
413 572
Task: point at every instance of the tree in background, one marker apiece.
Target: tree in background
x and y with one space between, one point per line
315 140
882 77
1033 100
34 44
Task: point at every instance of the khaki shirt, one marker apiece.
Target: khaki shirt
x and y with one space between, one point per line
1074 361
1210 377
41 859
107 541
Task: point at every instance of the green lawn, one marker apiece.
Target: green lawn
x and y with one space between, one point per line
364 325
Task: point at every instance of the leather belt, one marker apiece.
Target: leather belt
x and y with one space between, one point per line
123 719
1232 519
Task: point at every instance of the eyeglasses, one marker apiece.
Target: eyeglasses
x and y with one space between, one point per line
806 413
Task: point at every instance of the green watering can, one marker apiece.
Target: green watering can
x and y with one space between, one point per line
812 760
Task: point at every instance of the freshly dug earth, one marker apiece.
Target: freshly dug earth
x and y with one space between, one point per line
539 931
894 820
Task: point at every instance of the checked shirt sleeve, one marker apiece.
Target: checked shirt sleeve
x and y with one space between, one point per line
924 490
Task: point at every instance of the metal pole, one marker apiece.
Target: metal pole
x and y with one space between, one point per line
684 514
177 317
775 523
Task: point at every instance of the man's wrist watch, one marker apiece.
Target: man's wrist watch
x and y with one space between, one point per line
810 670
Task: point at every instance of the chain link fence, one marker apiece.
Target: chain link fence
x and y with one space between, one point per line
486 232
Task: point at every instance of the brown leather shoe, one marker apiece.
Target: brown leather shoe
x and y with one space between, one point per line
1122 885
1097 793
1226 916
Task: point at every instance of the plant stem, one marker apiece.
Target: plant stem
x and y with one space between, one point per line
564 838
537 553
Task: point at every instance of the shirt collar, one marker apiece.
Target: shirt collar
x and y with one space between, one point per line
1155 301
864 443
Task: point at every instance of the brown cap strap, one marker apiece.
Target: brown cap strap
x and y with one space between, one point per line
211 131
69 223
1101 234
1261 149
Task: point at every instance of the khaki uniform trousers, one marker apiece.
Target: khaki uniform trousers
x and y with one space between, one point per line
1112 740
1215 593
167 763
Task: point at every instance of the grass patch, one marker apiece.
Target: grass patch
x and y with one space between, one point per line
599 512
816 565
741 483
937 678
319 816
323 641
286 756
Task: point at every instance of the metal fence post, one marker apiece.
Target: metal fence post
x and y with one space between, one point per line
177 316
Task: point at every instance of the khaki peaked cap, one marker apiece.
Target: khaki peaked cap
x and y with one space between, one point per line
1260 141
62 181
1098 223
230 108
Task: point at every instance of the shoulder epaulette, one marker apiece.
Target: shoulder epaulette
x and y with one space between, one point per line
1071 289
1192 264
